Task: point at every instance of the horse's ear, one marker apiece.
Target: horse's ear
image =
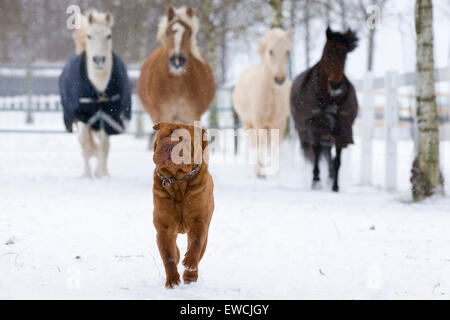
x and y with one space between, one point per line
329 32
352 40
262 47
170 14
91 18
109 19
190 12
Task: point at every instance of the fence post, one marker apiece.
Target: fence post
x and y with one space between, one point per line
29 75
139 120
367 124
391 122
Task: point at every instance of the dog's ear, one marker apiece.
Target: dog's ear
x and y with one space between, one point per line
157 126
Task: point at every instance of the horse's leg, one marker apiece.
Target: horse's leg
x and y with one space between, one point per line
263 148
86 149
317 149
330 162
337 165
103 152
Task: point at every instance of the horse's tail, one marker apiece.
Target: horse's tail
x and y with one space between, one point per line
79 35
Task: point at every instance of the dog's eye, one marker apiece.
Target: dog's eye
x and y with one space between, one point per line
271 52
89 37
109 37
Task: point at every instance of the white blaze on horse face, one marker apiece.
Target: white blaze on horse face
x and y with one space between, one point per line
178 30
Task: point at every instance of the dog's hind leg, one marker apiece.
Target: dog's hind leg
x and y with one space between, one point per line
86 148
170 254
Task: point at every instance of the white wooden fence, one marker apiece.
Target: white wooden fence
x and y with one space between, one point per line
368 127
390 85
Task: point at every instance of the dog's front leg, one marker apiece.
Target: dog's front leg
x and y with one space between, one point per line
167 245
197 235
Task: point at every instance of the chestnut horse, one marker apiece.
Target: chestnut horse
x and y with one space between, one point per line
324 105
176 83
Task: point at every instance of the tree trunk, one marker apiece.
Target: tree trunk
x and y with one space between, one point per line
371 49
307 19
277 13
426 178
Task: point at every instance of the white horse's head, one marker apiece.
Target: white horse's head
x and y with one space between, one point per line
177 31
274 50
99 40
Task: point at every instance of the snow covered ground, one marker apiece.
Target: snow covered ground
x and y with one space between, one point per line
62 236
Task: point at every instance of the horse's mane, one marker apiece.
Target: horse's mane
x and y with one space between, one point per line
79 35
276 32
349 38
192 22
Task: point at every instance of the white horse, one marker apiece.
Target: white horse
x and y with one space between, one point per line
95 37
261 96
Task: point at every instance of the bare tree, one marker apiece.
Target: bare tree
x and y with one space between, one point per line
276 7
426 177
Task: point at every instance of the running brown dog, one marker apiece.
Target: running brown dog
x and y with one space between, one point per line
182 197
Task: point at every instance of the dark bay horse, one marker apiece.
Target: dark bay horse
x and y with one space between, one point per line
324 105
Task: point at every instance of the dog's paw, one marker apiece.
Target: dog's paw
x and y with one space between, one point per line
189 263
173 281
190 276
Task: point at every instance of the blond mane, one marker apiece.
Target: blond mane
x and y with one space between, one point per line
192 22
270 36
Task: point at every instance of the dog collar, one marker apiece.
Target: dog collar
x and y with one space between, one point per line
166 182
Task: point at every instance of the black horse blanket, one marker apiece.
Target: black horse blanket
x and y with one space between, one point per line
319 117
81 102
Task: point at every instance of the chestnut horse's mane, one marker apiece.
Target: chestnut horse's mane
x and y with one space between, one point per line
192 22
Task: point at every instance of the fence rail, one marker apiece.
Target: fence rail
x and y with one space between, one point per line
387 110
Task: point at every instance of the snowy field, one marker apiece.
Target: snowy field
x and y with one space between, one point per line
62 236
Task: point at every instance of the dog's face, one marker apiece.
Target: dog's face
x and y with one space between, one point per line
179 146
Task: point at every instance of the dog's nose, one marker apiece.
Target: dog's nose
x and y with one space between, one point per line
178 60
99 60
280 80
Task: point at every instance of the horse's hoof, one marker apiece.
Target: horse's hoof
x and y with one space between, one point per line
335 188
86 175
261 176
316 185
